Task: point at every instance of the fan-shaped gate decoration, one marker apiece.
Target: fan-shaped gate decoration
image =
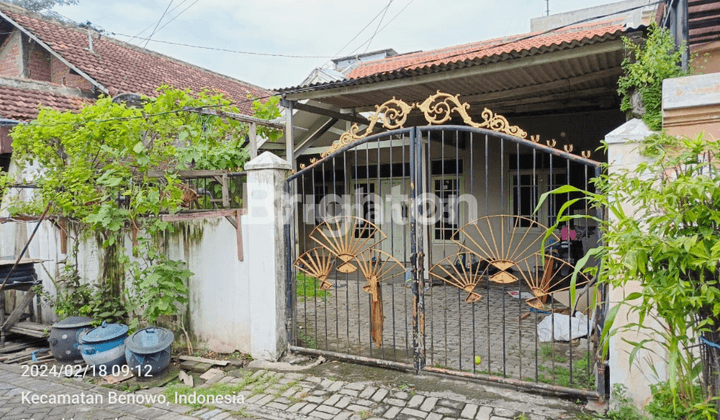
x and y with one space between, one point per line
555 276
317 262
461 271
377 265
346 237
490 239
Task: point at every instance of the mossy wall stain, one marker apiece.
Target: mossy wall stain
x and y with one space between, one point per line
112 270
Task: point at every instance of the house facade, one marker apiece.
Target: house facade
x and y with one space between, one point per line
46 62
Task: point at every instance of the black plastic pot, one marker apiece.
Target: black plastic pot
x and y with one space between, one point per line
148 351
63 338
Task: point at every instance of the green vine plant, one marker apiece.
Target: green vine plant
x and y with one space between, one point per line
670 245
645 67
92 167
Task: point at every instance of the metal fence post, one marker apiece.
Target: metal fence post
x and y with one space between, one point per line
416 247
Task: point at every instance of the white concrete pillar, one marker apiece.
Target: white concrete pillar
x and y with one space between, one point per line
623 155
266 255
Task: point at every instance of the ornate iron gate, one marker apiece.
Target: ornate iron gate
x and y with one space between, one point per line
422 248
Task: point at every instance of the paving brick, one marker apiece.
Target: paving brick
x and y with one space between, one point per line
356 408
366 403
265 400
328 409
315 399
434 416
401 394
210 414
343 415
344 402
333 399
428 404
357 386
308 408
367 392
254 399
447 411
351 392
499 418
296 407
278 405
322 415
415 401
469 411
414 413
484 413
336 386
379 395
392 412
396 401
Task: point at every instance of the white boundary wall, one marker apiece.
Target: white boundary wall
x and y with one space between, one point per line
229 308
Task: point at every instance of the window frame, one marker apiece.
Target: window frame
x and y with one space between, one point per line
543 185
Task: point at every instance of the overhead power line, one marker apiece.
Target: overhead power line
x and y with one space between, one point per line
158 23
150 26
225 49
379 23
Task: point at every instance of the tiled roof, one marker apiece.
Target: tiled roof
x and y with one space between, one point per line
22 104
123 68
484 49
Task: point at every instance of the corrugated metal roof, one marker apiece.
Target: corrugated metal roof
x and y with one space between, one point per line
472 55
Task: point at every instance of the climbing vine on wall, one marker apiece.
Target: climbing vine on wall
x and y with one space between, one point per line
92 167
647 64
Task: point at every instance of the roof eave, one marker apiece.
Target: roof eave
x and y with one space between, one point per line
437 72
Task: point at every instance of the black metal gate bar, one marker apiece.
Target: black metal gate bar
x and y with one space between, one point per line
516 383
419 172
559 390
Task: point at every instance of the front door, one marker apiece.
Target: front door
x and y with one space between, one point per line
395 221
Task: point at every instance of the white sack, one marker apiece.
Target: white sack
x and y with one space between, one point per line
566 328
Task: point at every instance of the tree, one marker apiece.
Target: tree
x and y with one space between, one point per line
41 6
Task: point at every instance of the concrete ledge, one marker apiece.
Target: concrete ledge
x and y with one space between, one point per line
691 91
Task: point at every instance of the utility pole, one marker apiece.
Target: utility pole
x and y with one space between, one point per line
547 12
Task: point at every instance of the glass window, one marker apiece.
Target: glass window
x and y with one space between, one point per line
448 191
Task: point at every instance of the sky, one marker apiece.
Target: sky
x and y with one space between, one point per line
314 29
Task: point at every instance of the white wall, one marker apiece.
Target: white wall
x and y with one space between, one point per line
219 289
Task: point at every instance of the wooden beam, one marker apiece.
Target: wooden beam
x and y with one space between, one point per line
327 112
187 173
289 139
19 309
502 66
238 235
179 217
237 117
314 137
253 140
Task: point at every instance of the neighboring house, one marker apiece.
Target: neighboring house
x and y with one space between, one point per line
56 64
691 104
